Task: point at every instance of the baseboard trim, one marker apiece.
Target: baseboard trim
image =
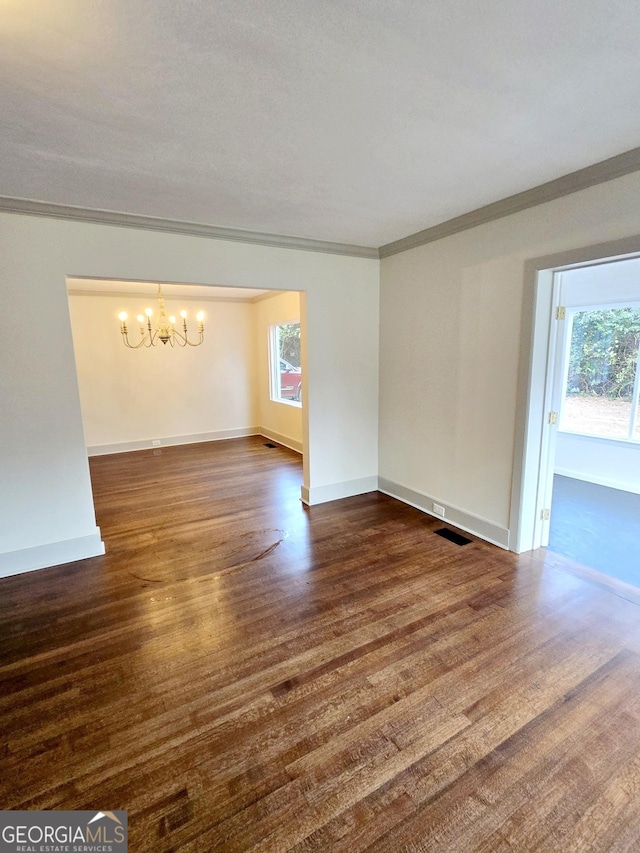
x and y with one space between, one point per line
285 440
475 524
597 481
52 554
337 491
171 441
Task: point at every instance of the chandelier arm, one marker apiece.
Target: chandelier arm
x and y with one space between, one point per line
197 344
126 342
183 339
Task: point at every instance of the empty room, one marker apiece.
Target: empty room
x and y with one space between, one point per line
277 428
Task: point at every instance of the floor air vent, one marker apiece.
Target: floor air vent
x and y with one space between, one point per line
268 444
452 536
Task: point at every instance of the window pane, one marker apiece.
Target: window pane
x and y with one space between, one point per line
289 341
603 360
288 372
636 432
597 416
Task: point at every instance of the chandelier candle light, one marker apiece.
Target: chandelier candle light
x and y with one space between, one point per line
164 328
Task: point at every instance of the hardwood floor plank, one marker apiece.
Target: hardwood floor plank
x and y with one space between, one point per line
240 672
503 773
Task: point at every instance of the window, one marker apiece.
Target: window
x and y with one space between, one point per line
284 360
603 379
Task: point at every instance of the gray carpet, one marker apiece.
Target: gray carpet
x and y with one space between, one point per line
597 526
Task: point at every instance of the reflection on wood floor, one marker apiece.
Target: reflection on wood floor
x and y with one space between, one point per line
597 526
241 673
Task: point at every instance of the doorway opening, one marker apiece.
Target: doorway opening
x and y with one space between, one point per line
156 397
580 485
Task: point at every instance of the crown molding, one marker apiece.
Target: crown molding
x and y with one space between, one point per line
139 294
270 294
29 207
590 176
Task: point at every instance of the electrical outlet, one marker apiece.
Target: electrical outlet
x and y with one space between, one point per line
438 509
156 442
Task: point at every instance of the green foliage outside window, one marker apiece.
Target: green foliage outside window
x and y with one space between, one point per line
604 353
289 338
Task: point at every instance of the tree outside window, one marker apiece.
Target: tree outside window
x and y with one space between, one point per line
285 363
603 380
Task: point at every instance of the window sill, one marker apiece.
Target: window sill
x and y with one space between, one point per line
294 403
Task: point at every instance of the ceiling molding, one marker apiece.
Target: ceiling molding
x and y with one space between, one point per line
138 294
193 229
606 170
598 173
270 295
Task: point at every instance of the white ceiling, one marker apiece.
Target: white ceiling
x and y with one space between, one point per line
356 121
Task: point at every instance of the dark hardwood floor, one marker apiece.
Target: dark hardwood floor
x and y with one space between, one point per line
241 673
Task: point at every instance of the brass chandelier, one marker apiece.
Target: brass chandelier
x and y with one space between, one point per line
163 328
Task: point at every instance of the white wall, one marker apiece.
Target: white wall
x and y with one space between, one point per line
46 494
598 460
280 421
46 509
450 344
601 284
130 397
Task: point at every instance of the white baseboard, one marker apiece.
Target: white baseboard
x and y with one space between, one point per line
599 481
475 524
52 554
337 491
285 440
172 440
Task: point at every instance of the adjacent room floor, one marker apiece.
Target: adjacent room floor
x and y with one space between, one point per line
597 527
241 673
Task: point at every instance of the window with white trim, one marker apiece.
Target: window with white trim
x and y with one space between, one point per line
285 363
